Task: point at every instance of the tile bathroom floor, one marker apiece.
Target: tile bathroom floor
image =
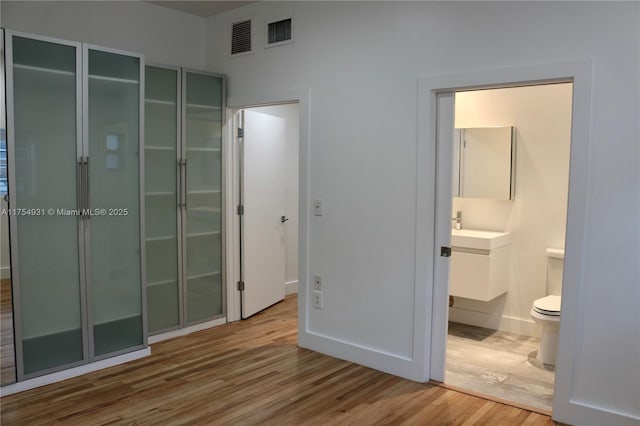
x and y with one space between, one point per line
498 364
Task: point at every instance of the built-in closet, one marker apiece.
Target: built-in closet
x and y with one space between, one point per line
183 159
115 200
74 121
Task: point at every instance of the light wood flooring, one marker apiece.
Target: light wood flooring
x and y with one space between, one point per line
250 373
7 356
498 364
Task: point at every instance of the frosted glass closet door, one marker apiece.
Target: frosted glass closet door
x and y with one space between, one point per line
113 136
203 142
43 140
161 222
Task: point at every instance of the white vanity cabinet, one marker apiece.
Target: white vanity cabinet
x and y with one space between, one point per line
479 264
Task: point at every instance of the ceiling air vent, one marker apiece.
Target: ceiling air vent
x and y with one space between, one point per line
241 37
279 32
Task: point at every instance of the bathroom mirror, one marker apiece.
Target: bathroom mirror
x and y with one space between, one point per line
484 163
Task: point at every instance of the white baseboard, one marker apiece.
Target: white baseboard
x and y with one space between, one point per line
5 272
72 372
290 287
583 413
395 364
187 330
494 321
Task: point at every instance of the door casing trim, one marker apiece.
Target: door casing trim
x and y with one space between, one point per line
431 287
232 186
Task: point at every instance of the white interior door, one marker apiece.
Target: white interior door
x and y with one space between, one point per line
445 104
263 243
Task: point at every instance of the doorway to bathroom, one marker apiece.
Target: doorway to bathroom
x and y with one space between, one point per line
265 191
510 152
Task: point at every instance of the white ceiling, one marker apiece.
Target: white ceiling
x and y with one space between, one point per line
202 7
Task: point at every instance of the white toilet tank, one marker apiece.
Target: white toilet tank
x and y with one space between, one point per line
555 269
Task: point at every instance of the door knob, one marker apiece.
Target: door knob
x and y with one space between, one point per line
283 219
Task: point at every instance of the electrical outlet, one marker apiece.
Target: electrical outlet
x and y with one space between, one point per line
317 282
318 210
317 300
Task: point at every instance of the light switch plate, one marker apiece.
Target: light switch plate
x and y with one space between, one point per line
317 282
317 300
318 210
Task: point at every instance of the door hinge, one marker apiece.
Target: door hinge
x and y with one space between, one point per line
240 285
240 210
240 133
445 251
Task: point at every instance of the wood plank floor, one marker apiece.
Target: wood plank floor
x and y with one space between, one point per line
247 373
7 355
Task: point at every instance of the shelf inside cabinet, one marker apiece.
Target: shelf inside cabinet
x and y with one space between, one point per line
45 70
160 102
203 234
203 191
161 283
204 150
159 148
161 238
112 79
159 194
206 107
205 209
204 275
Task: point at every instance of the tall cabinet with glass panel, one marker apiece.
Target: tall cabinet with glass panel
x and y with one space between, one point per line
184 122
162 161
7 353
112 142
73 161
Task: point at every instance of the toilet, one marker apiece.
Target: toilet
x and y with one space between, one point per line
546 310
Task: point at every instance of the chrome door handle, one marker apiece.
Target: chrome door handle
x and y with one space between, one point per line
184 183
87 186
80 187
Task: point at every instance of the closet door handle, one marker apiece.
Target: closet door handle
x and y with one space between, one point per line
80 187
184 183
86 185
179 184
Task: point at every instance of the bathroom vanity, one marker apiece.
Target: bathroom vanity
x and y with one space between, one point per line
479 264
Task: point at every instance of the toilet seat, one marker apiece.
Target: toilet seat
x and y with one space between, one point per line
549 305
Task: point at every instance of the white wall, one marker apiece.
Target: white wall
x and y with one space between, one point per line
289 113
536 218
361 62
164 36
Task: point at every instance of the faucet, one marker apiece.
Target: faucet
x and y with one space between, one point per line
457 220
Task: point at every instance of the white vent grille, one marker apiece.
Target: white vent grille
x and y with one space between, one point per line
241 37
279 31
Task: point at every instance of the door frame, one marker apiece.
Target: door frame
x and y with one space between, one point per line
240 122
434 183
233 158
